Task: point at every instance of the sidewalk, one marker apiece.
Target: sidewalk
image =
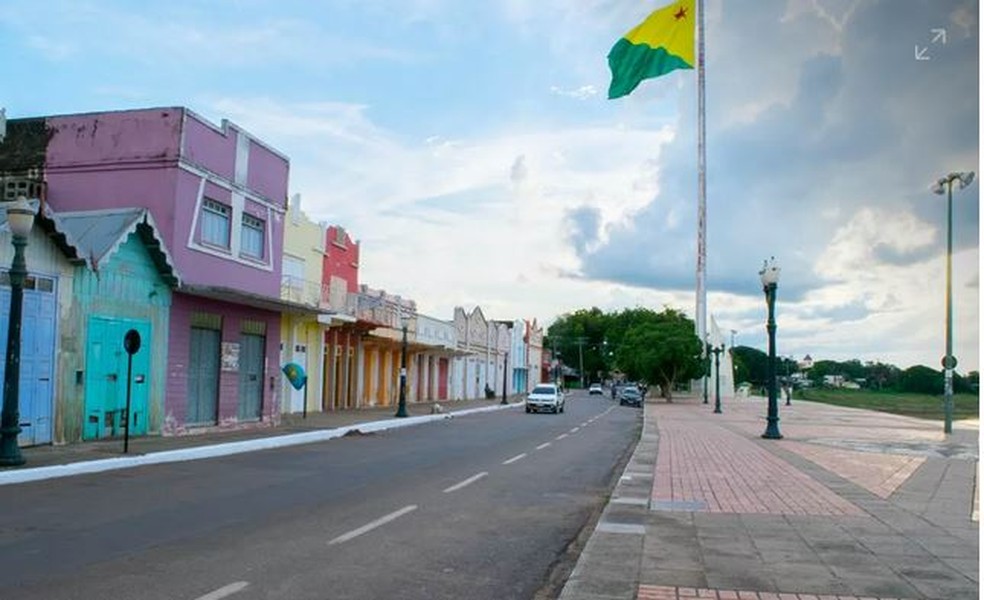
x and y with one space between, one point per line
850 504
43 462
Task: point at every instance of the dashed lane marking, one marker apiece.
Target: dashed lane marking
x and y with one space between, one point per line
514 459
370 526
226 590
561 436
542 446
468 481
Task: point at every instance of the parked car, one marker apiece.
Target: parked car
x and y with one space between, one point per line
545 397
595 389
630 396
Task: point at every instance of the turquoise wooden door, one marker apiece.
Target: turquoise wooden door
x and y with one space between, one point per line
105 378
252 351
203 376
37 354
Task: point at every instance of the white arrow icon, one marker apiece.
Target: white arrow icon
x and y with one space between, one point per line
921 53
938 35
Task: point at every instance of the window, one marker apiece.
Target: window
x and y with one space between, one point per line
252 240
215 223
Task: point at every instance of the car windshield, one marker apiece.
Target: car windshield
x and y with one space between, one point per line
543 389
631 392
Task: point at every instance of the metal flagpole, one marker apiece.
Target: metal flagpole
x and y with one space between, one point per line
701 319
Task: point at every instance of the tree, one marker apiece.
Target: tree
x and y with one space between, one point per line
662 350
751 365
922 380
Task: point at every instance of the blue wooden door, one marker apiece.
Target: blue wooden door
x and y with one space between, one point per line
252 351
105 378
37 357
203 376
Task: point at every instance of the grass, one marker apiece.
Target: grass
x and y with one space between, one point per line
923 406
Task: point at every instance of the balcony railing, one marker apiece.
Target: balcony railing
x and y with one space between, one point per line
303 291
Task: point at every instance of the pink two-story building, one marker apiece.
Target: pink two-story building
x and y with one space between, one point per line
218 196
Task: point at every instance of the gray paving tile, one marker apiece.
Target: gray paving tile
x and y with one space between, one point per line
677 577
892 545
969 568
948 547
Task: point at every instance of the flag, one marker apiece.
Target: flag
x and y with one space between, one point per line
295 375
662 43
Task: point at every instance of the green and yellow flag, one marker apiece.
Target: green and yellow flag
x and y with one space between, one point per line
662 43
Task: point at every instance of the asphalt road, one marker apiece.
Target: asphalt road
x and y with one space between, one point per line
480 506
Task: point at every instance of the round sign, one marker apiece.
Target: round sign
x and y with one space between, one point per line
949 362
131 341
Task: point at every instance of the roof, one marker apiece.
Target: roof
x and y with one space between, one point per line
95 235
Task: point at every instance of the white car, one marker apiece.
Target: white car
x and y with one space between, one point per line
545 397
595 389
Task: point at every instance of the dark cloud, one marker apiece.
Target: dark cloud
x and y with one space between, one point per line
582 227
867 125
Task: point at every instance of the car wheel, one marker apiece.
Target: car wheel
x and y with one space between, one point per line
528 410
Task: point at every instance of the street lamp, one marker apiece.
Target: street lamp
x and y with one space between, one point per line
20 219
401 410
770 280
707 365
717 350
505 370
949 361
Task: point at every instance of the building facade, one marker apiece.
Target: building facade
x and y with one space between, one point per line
218 197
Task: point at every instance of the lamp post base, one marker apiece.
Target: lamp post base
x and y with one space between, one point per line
772 430
10 454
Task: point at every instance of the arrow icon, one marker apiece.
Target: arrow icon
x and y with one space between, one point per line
921 53
938 35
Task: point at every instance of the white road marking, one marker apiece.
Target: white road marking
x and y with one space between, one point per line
542 446
585 424
561 436
575 430
370 526
224 591
514 459
468 481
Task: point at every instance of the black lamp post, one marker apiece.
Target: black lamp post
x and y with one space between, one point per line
707 368
20 218
770 281
717 350
949 360
401 410
505 370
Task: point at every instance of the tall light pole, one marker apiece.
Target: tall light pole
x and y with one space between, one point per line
505 369
20 218
770 281
949 361
401 410
707 365
717 350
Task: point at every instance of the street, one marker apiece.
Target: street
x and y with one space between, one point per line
481 506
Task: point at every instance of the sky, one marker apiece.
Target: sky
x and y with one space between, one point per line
471 148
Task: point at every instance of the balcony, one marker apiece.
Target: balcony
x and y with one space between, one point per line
303 291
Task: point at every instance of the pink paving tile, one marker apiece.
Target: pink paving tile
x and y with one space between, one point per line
701 466
659 592
881 474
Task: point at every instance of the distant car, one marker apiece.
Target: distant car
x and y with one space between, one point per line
630 396
545 397
595 389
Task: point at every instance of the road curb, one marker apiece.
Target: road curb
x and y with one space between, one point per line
228 448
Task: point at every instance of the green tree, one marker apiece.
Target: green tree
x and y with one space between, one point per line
921 379
751 365
661 348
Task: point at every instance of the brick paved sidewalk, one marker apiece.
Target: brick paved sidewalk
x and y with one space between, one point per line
850 504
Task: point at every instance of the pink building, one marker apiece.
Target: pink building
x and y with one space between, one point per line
218 196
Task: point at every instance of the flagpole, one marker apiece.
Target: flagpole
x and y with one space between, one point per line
701 191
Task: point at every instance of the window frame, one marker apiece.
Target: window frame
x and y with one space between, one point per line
213 209
257 226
